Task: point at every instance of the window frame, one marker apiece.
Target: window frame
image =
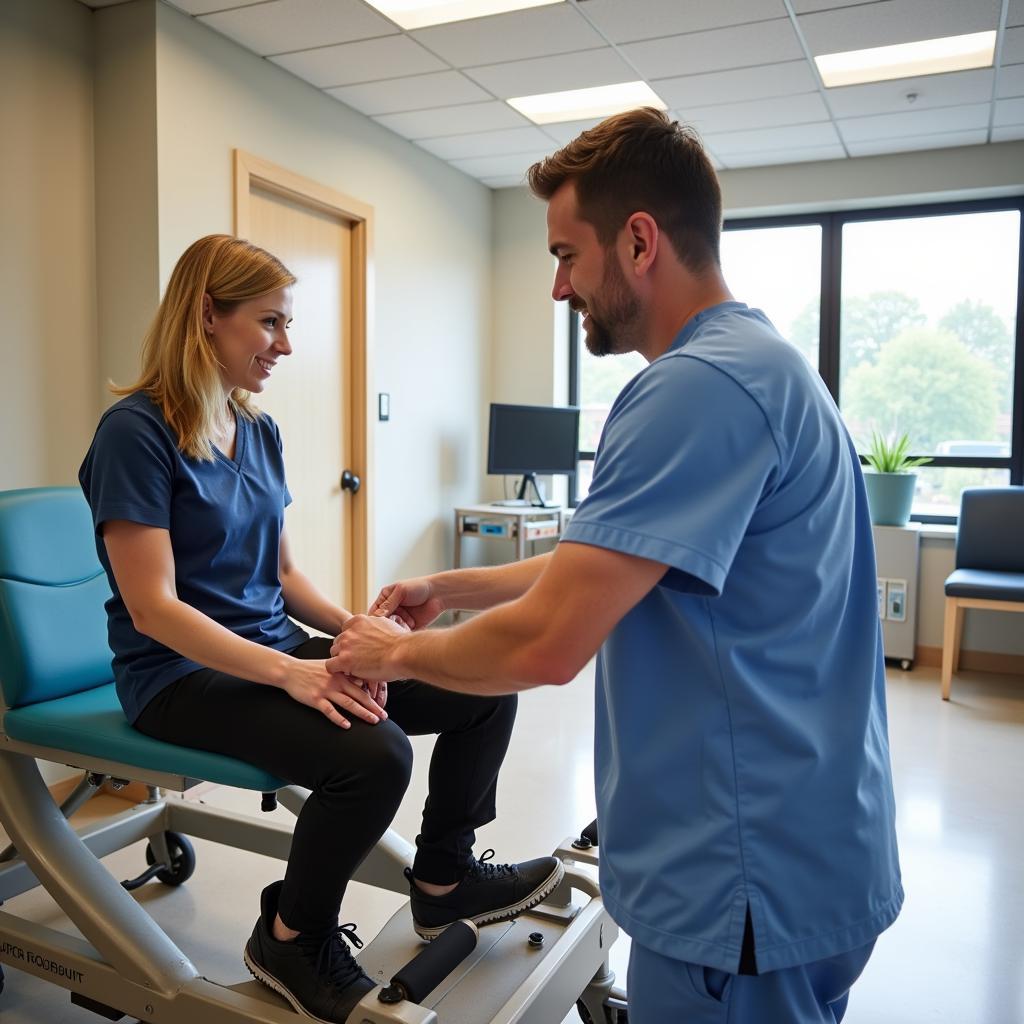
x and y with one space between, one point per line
832 223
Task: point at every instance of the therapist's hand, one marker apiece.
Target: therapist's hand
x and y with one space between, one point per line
413 601
365 646
378 690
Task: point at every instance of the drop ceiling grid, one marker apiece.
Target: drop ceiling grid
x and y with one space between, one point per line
738 69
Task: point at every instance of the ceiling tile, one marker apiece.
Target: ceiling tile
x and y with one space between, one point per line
1010 81
515 36
566 131
1015 15
1013 46
768 157
932 91
1010 134
653 19
391 57
810 6
917 122
895 21
511 140
553 74
204 6
417 92
944 140
284 25
739 84
802 136
741 46
469 117
731 117
494 166
1009 112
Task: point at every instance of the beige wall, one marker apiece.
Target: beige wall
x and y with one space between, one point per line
48 398
531 338
127 223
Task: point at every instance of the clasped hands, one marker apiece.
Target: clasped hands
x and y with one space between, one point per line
364 648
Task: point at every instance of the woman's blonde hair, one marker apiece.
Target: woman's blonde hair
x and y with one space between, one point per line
180 369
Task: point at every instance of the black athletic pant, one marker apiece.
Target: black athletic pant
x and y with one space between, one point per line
357 776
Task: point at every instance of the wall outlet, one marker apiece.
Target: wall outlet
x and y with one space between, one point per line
896 600
881 597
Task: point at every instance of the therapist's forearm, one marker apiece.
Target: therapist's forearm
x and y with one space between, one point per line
505 650
488 586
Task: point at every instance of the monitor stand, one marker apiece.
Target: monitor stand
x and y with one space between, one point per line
529 479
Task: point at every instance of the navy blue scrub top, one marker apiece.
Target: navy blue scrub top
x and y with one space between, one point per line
742 756
224 518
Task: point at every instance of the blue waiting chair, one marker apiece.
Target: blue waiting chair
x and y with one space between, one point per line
58 704
989 565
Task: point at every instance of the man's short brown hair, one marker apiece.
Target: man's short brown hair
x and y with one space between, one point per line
641 161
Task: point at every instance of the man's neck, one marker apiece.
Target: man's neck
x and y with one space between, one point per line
669 318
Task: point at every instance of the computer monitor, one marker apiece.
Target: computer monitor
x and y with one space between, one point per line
532 439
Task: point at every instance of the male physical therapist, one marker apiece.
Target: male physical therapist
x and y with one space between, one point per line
722 570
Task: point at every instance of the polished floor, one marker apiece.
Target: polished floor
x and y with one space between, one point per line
955 955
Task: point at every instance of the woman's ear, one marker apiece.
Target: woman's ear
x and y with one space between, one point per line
207 313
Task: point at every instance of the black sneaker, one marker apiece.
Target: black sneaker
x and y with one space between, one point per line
487 893
316 973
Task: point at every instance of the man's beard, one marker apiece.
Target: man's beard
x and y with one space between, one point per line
615 323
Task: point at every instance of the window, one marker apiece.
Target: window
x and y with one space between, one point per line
909 315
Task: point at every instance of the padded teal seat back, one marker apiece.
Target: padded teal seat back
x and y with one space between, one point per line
53 626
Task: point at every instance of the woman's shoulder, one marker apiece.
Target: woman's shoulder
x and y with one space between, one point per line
134 415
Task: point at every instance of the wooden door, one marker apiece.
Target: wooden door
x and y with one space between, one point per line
317 394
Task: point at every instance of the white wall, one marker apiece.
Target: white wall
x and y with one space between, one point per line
431 314
523 271
48 397
531 338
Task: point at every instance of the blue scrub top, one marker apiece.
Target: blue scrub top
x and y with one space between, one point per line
224 518
741 750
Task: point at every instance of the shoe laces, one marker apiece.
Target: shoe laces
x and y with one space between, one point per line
482 870
334 959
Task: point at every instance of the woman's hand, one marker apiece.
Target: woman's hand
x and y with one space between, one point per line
310 683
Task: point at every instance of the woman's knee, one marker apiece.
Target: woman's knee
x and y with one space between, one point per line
386 758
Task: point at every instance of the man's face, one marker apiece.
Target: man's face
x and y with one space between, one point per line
590 278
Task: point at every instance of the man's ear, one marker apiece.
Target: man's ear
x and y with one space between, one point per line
642 237
207 313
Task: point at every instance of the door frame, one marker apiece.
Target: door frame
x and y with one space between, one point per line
252 170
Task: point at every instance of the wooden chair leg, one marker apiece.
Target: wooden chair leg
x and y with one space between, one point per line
952 634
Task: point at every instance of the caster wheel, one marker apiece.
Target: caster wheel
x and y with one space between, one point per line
183 859
611 1015
906 664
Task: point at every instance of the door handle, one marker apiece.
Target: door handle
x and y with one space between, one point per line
350 482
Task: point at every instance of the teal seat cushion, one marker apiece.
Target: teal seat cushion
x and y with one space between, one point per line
93 723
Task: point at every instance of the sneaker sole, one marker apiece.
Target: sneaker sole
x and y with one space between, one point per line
541 893
271 982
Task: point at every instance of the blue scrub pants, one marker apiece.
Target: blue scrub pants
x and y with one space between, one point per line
661 990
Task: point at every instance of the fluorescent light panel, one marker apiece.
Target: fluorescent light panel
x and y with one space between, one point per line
907 60
411 14
580 104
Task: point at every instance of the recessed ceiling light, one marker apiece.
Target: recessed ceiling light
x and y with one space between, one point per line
907 60
421 13
579 104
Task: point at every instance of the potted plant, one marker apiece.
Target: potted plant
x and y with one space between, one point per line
889 482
